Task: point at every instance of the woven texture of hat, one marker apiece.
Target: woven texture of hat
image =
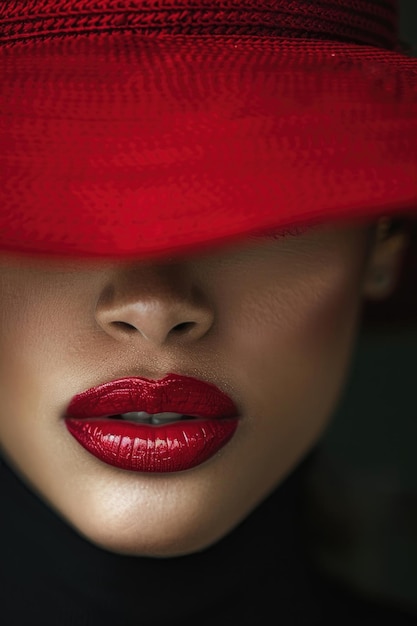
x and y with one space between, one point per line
370 22
142 128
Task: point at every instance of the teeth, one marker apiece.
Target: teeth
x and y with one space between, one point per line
148 418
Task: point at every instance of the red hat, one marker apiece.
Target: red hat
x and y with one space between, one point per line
142 128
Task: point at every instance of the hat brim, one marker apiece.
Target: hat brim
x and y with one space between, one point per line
123 146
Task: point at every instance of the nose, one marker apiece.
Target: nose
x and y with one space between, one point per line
154 303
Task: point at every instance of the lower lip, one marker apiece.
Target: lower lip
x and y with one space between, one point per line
172 447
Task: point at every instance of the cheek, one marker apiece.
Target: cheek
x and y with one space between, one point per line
25 359
31 335
298 314
36 338
293 340
44 321
289 351
37 367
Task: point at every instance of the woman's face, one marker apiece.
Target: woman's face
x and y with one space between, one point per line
274 326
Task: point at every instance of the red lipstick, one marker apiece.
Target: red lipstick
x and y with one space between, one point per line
207 419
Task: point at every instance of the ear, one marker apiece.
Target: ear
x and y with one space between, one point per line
385 259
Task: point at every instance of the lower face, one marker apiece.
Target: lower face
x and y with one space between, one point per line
275 326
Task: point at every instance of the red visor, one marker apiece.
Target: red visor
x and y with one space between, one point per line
121 139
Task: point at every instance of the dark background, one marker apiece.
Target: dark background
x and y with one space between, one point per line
408 22
363 490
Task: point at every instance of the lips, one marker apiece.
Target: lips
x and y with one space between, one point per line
140 443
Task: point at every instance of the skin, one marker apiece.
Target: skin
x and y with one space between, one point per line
274 326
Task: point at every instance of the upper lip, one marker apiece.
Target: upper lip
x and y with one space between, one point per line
174 393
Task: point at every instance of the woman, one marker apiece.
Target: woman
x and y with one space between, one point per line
194 208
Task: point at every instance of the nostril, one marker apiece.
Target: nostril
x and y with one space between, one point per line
123 326
179 328
182 327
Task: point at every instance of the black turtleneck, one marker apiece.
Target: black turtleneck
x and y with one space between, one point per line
259 573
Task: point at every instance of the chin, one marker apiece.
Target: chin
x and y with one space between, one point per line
155 545
171 532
